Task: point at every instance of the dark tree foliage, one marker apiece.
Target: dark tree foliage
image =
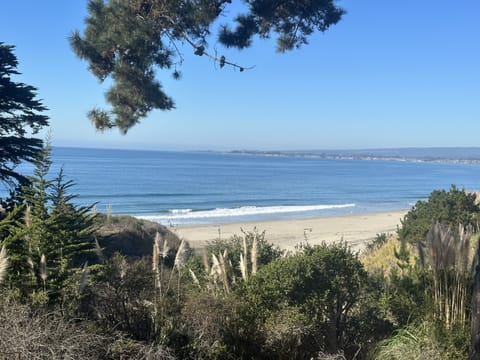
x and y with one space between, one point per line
20 118
49 225
128 40
451 207
324 283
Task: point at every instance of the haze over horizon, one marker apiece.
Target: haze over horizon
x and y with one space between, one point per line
388 75
406 153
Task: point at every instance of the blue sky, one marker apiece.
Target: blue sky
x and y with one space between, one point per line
390 74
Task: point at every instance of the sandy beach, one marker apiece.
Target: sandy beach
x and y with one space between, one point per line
356 230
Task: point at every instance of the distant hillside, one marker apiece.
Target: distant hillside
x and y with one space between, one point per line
457 154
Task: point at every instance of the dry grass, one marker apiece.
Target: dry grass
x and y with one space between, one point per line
123 349
383 259
28 334
446 253
33 335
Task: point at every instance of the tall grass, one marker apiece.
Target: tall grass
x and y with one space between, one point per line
446 253
412 342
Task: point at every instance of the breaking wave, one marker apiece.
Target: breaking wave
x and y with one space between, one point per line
189 214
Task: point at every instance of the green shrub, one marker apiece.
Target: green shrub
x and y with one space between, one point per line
325 284
451 207
405 296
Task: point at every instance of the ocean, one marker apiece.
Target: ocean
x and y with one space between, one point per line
179 188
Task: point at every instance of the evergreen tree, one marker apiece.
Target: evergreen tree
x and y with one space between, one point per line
128 40
71 229
54 239
20 118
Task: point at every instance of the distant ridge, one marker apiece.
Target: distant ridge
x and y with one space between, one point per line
437 154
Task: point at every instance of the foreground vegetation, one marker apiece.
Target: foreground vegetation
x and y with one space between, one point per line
80 285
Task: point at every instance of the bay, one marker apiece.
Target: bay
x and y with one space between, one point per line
213 187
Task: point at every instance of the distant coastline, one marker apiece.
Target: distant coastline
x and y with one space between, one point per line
457 155
448 155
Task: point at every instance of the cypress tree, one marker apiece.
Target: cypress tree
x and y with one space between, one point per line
54 238
20 119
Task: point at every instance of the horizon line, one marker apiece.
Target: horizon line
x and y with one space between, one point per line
269 150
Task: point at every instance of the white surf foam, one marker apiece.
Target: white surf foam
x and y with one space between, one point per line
186 214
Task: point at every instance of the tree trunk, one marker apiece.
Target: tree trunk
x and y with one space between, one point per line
332 343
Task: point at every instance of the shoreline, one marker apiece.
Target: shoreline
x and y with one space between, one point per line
356 230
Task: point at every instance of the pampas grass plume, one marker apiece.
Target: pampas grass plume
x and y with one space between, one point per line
245 249
194 277
254 253
43 268
84 277
31 266
155 256
216 269
223 269
158 240
206 265
165 249
181 256
243 267
3 263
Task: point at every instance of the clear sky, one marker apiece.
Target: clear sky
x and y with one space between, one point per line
390 74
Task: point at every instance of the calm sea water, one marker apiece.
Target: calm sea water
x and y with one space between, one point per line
205 187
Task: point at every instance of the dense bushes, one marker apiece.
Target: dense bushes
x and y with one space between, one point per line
451 207
241 298
296 307
315 298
